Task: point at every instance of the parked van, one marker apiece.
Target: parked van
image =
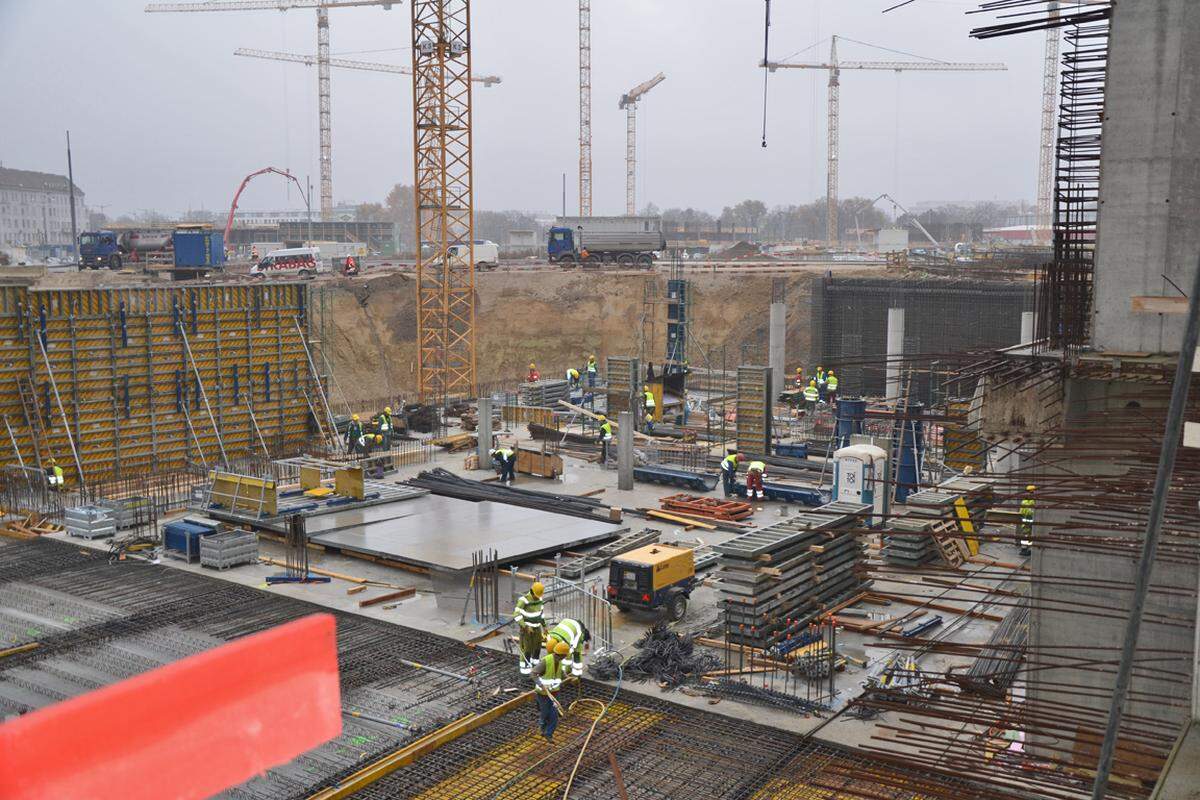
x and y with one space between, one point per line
300 262
487 253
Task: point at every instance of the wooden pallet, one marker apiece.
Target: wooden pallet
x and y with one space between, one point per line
709 507
946 536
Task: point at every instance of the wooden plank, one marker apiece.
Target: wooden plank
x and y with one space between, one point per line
1153 304
686 521
383 598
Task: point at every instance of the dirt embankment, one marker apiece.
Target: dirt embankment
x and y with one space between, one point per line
556 319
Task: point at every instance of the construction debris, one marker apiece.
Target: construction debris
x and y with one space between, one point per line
665 657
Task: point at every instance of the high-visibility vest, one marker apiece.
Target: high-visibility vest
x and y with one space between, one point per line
1027 510
553 672
385 421
831 382
591 365
353 430
649 399
503 452
812 394
757 466
529 611
606 429
568 631
729 463
820 378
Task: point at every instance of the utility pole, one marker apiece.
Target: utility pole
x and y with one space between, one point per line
71 193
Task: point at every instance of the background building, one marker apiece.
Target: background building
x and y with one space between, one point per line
35 208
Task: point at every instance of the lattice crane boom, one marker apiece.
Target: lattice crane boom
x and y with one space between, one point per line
1045 184
345 63
264 5
834 67
629 102
585 108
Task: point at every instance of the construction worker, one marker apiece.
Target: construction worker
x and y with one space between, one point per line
591 370
729 465
1026 526
649 420
507 459
353 431
576 636
531 625
831 384
548 675
648 402
367 442
821 380
254 253
754 480
385 425
800 384
573 377
605 437
54 476
812 394
533 374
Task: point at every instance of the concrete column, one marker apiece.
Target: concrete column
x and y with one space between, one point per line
1026 327
625 429
485 431
777 342
895 349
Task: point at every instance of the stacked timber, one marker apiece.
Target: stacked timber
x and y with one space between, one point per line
907 542
776 579
544 393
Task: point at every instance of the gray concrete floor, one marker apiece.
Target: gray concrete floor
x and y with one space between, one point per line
422 611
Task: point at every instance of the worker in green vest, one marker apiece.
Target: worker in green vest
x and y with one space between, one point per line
576 635
591 370
729 465
353 431
531 625
831 384
648 402
54 476
811 395
754 480
606 435
548 675
1026 538
385 425
506 459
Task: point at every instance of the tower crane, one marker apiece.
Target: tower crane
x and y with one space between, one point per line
1045 184
345 63
834 67
585 108
629 102
323 103
910 215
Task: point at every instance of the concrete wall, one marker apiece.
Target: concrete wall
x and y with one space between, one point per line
1149 221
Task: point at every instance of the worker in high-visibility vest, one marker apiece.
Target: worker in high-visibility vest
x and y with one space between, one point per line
649 420
1026 526
606 435
533 374
812 395
507 461
548 675
591 370
729 465
831 384
577 636
754 480
353 431
531 625
648 402
54 476
572 377
821 380
384 420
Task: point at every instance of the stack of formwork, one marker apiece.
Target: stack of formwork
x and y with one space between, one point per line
778 578
754 401
89 522
544 393
979 494
128 512
622 379
228 549
907 542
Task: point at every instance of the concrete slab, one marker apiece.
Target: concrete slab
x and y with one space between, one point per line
442 532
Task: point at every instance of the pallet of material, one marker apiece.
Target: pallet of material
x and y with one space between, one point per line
519 415
539 464
908 542
779 578
978 493
708 507
544 393
90 522
456 442
128 512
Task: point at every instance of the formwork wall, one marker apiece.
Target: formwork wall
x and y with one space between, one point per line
942 316
128 388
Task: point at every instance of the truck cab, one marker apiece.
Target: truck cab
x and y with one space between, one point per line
99 249
657 576
561 245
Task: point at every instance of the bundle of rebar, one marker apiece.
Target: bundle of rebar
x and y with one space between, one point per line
759 695
443 482
663 656
995 669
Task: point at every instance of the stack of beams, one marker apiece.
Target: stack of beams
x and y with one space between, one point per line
907 542
544 393
775 580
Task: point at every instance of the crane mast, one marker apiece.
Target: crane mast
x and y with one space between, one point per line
1045 183
629 102
831 154
585 108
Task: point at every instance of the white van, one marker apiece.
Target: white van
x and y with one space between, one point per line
300 262
487 253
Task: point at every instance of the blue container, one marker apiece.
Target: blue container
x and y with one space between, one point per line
792 450
198 248
851 411
183 537
908 449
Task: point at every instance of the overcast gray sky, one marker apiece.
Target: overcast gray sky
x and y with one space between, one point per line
163 116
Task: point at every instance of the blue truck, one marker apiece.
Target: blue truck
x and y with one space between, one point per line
591 241
98 249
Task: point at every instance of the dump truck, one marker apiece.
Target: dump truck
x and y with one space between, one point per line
654 577
591 241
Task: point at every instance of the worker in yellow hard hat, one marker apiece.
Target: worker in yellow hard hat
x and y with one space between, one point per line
54 475
831 387
648 402
812 394
821 381
1025 541
572 377
384 421
591 370
353 431
548 676
532 626
533 373
800 378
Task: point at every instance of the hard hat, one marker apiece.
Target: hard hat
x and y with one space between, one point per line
52 461
592 356
603 418
1030 488
387 409
354 417
562 649
645 388
831 370
649 418
531 365
812 381
799 370
537 588
378 438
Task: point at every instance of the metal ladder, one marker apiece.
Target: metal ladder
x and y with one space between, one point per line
33 418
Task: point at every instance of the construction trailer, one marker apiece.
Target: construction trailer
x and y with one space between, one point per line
121 382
